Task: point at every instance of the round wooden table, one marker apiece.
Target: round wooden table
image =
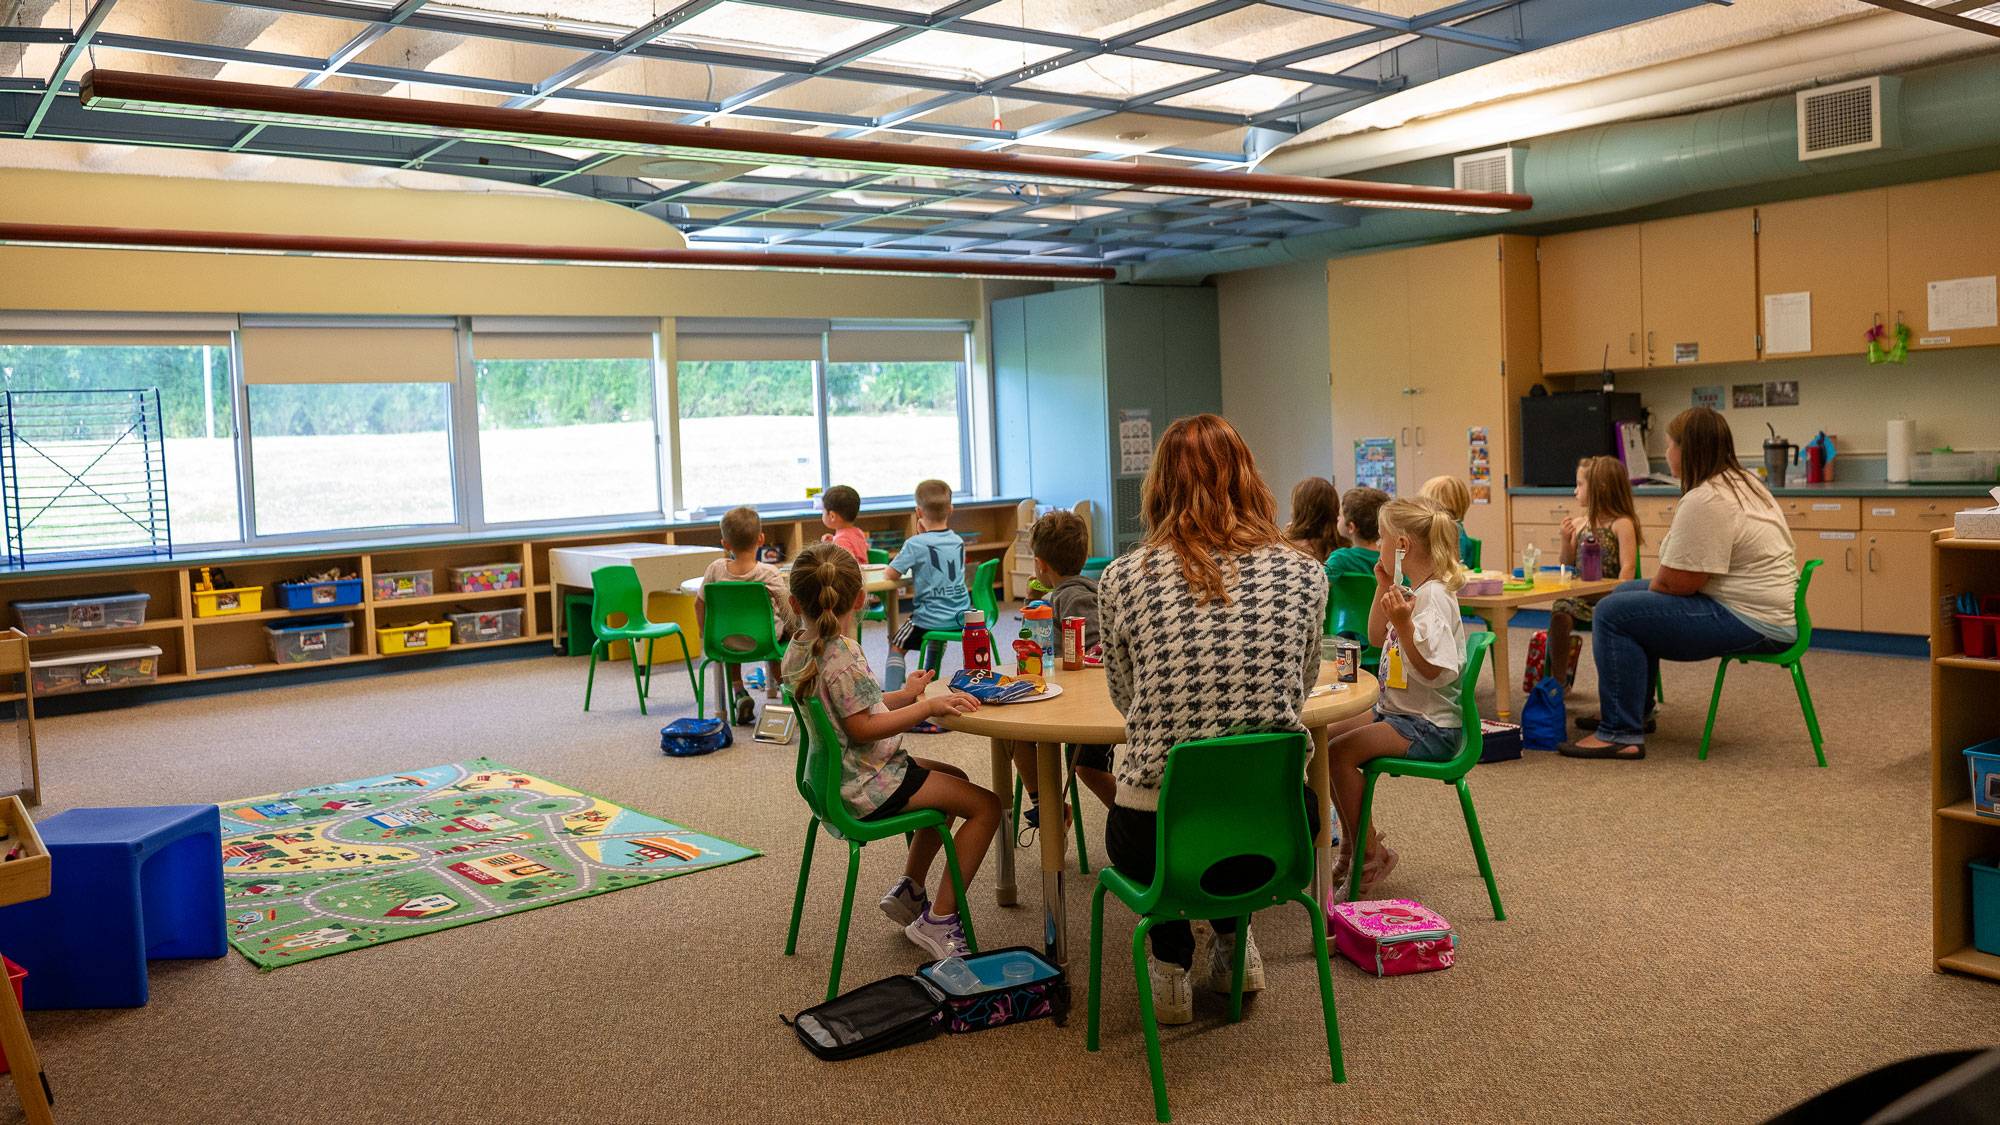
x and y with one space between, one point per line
1083 715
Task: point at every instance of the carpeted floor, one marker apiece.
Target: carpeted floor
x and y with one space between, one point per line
1686 941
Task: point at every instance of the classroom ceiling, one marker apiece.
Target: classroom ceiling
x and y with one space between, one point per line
1209 84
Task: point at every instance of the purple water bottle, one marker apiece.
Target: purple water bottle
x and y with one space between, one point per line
1589 557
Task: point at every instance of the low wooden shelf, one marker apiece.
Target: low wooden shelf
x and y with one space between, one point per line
1962 715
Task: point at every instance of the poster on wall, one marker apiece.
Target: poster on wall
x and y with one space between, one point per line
1135 442
1782 392
1375 464
1743 395
1710 397
1479 467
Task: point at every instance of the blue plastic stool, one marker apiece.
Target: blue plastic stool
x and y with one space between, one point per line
127 885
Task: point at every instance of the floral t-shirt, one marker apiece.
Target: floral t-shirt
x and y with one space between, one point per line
869 771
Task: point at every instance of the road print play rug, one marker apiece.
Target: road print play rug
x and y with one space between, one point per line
341 867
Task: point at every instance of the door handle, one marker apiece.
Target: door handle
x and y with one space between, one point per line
1406 435
1871 560
1420 437
1649 341
1847 558
1632 343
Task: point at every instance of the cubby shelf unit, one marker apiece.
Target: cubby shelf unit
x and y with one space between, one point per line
1962 714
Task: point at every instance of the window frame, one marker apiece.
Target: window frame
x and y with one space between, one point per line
822 405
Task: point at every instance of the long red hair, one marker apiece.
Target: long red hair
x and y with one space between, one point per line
1205 502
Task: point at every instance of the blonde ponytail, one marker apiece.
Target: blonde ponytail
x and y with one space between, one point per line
1427 520
827 582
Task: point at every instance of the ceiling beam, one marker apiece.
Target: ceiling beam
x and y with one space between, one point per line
347 53
86 31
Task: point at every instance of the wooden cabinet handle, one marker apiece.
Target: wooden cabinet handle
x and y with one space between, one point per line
1406 435
1420 437
1871 560
1632 343
1649 341
1847 559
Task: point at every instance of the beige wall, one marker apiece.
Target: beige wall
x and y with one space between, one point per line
1276 382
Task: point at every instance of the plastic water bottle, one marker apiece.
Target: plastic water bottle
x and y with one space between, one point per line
1589 557
956 977
753 678
1531 561
977 642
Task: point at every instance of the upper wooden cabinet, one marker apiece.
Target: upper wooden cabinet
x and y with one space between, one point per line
1368 317
1835 247
1698 277
1943 230
1592 313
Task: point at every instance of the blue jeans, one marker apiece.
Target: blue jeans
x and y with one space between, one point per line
1635 629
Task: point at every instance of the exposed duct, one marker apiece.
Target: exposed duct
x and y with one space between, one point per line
1608 169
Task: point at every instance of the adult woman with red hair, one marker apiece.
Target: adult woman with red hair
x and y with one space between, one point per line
1211 626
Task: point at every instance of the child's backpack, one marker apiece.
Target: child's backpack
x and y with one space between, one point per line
1540 665
1498 741
1544 720
1390 937
1014 985
685 738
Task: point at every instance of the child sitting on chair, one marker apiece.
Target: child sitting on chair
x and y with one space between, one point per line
1455 497
1423 650
934 558
840 506
878 778
1061 543
742 537
1358 508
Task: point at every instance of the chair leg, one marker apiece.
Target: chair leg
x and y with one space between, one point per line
1096 966
1076 819
958 888
805 873
1236 969
1014 822
1659 690
1812 716
1149 1023
639 685
590 680
694 681
1714 701
1316 913
1479 848
846 911
700 705
647 690
1360 850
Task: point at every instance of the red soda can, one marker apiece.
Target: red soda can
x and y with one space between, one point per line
1072 643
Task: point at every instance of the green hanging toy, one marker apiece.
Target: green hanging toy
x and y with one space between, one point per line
1898 348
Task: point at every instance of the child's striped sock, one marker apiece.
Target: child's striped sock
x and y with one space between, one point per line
893 675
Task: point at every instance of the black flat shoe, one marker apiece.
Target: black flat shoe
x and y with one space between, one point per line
1615 752
1589 723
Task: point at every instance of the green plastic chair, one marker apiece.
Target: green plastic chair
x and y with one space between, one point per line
1471 551
1229 800
1790 659
818 779
1093 567
983 577
1348 600
880 610
1452 771
1075 807
615 594
739 626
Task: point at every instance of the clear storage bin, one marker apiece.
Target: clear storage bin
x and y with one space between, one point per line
489 625
307 642
1952 468
100 668
393 584
489 576
80 615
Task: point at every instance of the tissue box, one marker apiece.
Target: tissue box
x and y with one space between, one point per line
1979 523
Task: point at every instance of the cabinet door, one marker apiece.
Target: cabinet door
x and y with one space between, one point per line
1368 318
1943 230
1835 247
1895 581
1699 278
1455 347
1591 307
1834 598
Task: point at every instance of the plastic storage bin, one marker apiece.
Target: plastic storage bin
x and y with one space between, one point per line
1985 905
101 668
393 584
80 615
307 642
1984 761
413 638
230 602
480 627
478 579
315 595
1952 468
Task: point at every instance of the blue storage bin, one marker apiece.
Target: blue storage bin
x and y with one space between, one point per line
319 595
1985 905
1984 762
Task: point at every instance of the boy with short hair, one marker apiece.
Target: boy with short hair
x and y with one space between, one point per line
1358 510
934 558
1061 543
840 506
742 537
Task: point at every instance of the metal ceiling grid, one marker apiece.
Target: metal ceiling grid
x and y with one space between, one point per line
1394 52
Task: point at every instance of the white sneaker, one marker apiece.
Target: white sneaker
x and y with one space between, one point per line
905 902
939 937
1173 994
1221 951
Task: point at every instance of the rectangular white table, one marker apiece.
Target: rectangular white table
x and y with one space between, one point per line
662 568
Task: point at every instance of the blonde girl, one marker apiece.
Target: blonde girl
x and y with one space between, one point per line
1455 497
1423 650
1604 496
878 778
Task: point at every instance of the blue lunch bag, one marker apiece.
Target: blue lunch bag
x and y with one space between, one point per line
685 738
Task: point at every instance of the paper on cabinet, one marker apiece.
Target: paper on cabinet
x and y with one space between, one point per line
1787 323
1963 302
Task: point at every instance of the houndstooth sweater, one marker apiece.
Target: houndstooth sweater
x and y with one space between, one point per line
1181 671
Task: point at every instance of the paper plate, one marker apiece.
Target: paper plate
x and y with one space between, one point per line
1049 691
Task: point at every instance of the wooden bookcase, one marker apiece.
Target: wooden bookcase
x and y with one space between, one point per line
1962 714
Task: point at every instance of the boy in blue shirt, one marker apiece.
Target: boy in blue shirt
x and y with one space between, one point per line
934 558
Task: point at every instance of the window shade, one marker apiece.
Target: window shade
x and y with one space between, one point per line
747 346
117 339
560 345
350 355
896 346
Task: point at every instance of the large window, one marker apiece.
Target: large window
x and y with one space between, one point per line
339 456
890 425
748 433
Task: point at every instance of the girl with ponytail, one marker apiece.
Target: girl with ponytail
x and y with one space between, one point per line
1423 651
878 778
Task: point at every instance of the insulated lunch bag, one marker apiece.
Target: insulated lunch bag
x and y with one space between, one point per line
684 738
1393 936
1013 985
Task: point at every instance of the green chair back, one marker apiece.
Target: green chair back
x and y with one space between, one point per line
739 624
1231 807
1792 659
1348 599
615 595
1804 616
984 577
819 774
1471 552
1093 567
877 557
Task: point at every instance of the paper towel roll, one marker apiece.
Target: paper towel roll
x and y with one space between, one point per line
1902 437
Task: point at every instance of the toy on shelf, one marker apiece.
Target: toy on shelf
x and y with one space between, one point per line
106 668
486 577
1978 625
215 597
333 586
413 638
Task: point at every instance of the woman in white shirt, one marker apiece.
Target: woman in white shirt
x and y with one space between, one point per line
1726 584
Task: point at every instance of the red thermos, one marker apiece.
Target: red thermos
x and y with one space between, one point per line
1815 464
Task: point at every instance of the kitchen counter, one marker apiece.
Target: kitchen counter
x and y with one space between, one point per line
1830 488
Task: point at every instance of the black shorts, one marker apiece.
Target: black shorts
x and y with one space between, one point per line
1094 758
913 780
910 636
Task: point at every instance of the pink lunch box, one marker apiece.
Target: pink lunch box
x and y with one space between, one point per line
1390 937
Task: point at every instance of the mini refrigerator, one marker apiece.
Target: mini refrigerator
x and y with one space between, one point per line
1558 430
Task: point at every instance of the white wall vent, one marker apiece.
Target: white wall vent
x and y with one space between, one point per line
1484 171
1842 118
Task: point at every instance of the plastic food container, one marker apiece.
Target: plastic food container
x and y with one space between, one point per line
413 638
489 625
307 642
491 576
1952 468
79 615
393 584
230 602
101 668
1984 762
313 595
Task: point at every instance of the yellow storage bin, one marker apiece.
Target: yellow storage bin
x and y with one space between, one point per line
225 603
413 638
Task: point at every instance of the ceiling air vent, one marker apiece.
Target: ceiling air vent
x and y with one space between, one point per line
1484 171
1843 118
